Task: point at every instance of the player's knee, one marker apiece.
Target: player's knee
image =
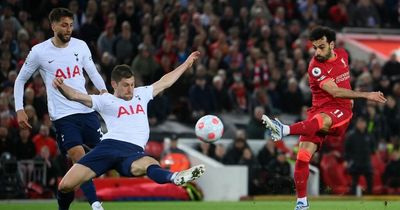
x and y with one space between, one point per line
304 155
326 122
65 186
137 170
139 167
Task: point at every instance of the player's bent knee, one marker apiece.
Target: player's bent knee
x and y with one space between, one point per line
326 122
304 155
139 167
138 171
65 186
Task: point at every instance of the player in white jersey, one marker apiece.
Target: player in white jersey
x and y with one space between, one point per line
64 57
125 114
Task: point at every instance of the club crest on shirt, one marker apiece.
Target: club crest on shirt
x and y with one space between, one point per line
138 97
344 62
316 72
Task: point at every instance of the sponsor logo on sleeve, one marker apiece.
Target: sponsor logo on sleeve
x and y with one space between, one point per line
316 72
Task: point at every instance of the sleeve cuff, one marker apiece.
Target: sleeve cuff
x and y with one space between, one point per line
324 81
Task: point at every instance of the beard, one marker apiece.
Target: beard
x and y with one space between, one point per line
64 38
321 58
127 97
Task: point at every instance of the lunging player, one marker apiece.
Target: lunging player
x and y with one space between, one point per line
125 114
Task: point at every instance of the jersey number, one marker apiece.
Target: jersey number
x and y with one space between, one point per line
337 113
100 133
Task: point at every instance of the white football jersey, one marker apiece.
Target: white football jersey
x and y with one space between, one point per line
125 120
68 63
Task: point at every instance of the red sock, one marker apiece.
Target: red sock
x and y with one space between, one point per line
301 172
307 127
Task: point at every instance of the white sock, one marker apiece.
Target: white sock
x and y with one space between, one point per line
173 176
96 203
303 200
285 130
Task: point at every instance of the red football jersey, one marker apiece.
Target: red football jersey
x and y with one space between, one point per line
337 70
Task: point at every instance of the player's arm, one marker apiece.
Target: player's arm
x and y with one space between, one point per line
92 72
72 94
169 79
25 73
338 92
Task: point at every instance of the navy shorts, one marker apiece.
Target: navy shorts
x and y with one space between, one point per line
112 154
77 129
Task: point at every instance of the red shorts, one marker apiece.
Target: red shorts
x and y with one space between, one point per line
340 121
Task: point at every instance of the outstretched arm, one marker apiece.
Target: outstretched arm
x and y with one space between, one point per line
72 94
169 79
338 92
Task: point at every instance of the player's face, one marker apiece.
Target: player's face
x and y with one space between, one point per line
323 49
63 29
124 88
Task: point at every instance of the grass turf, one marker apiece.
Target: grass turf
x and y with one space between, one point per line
244 205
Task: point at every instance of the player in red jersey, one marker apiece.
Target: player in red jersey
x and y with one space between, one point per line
331 109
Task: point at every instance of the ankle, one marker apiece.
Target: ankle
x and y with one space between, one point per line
173 176
303 200
285 130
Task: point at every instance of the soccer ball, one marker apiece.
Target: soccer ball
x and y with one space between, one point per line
209 128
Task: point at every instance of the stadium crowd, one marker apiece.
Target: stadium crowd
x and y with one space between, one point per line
254 60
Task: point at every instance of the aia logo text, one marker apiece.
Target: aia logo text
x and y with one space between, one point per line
68 72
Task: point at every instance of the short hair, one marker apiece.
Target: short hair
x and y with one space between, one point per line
57 13
121 71
319 32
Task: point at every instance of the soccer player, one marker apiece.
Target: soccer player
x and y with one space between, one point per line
331 109
125 114
64 57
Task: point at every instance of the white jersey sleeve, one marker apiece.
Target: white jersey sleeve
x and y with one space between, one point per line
91 69
30 66
147 93
100 101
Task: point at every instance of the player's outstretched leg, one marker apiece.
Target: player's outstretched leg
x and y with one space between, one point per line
193 173
275 126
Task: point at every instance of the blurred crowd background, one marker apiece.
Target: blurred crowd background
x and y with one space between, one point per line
255 56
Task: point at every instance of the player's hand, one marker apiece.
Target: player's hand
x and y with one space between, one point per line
377 97
192 58
58 82
103 91
22 119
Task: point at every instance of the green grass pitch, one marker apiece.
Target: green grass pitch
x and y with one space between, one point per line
243 205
